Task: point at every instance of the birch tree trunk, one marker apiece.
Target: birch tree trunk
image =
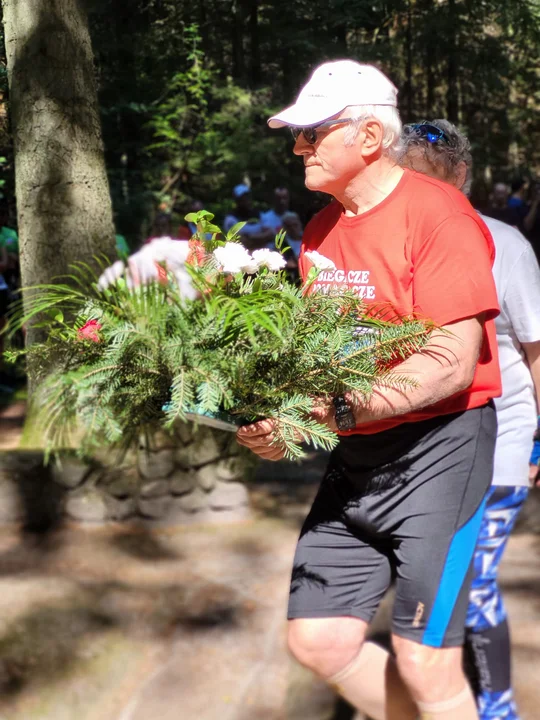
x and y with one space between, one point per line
63 200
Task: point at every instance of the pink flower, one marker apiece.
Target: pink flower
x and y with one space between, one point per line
197 253
90 331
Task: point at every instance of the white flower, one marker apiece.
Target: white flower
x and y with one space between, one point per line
320 262
233 258
274 261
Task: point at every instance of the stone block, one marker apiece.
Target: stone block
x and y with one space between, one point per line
162 440
205 449
87 505
121 508
229 469
206 477
184 432
182 481
11 504
193 502
122 483
155 508
69 471
155 489
21 460
156 465
227 495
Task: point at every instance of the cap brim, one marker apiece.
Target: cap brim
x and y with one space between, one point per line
304 114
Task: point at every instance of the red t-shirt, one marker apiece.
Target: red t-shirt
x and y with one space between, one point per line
425 251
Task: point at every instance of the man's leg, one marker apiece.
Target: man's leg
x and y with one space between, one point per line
339 577
441 512
435 680
361 672
487 638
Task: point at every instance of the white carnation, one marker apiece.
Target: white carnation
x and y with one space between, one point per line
233 258
320 262
274 261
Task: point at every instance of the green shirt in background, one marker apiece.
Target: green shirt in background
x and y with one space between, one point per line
9 239
122 248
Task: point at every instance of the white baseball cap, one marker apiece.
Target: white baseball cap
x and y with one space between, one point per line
333 87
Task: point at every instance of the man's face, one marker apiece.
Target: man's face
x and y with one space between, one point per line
244 201
330 164
293 227
500 194
281 200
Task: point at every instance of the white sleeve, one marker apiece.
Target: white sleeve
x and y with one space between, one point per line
522 296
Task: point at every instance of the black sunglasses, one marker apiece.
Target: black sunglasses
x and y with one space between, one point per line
310 133
426 130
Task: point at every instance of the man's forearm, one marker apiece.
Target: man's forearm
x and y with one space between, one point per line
435 373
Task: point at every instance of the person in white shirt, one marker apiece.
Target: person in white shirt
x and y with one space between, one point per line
439 149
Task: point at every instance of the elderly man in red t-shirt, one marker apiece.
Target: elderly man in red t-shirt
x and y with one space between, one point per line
404 491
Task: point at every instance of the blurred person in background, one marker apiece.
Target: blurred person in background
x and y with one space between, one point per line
498 204
437 148
531 221
255 234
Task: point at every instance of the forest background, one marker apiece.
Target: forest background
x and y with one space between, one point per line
185 89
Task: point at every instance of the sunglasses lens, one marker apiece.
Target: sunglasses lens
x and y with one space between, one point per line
309 133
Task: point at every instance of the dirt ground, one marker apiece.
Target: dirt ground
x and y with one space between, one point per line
186 623
121 623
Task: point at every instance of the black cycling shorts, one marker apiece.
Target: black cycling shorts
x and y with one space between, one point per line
402 504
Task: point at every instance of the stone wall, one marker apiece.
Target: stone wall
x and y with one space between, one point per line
191 476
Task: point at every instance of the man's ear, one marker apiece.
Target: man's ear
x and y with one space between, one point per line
461 174
373 132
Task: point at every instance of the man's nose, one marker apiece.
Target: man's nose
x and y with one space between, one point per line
301 146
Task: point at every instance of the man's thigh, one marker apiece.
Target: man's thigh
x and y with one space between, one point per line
338 570
434 543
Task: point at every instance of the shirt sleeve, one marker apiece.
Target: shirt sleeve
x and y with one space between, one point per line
521 299
452 272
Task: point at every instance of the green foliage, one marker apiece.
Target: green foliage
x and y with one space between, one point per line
207 132
119 361
196 83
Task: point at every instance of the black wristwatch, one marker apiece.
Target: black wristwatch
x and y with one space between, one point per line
345 419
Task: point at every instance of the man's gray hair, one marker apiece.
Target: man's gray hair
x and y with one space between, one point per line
444 156
389 118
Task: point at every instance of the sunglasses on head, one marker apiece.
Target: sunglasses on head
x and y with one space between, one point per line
310 133
426 130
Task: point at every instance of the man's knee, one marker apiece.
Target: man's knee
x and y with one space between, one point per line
326 645
430 674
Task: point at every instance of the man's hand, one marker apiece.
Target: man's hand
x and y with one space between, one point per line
324 413
258 437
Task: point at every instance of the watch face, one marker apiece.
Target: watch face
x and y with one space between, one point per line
346 421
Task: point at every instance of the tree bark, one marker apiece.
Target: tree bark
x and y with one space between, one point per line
452 98
63 200
237 40
256 72
409 65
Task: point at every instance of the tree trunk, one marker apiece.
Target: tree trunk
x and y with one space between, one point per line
452 98
237 39
256 72
63 200
409 65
